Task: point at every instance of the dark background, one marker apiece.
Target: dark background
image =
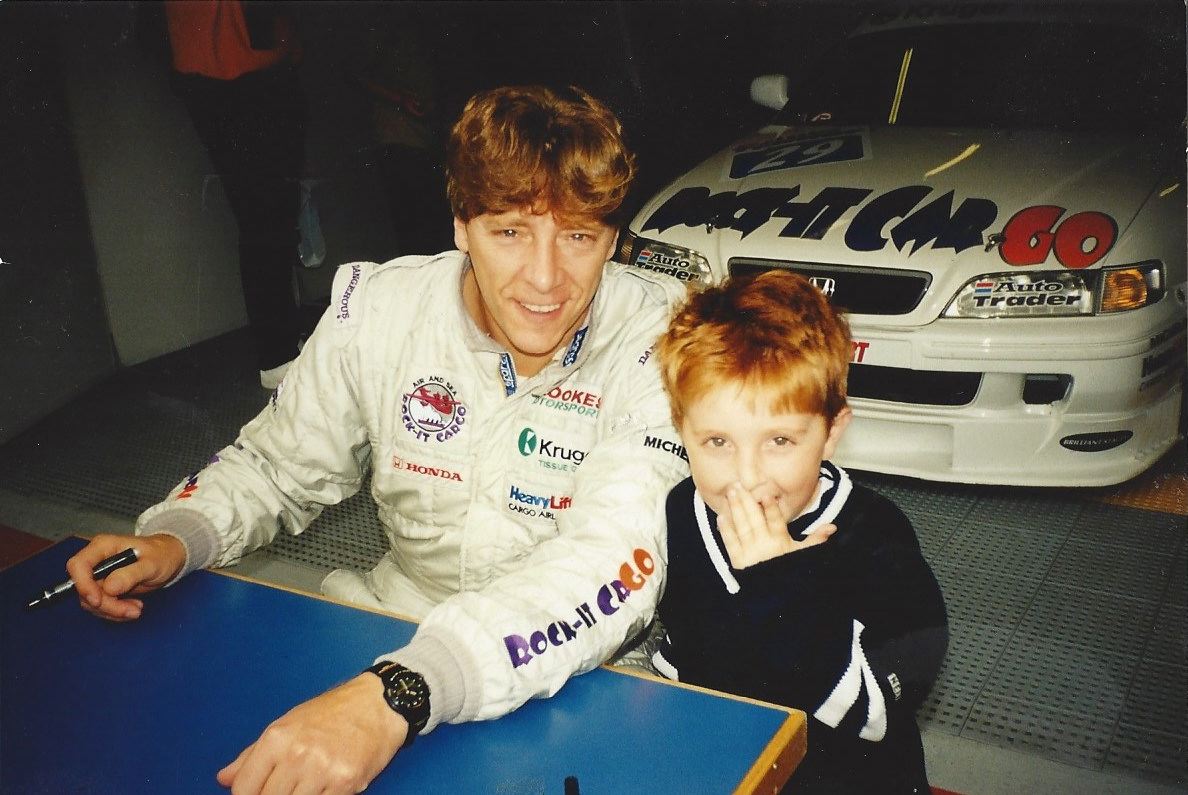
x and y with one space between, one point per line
103 201
677 74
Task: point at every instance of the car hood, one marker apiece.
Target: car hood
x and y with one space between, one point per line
953 203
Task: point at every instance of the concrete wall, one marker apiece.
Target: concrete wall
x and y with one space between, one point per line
165 246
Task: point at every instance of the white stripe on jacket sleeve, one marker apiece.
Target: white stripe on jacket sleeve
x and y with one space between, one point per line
845 694
665 667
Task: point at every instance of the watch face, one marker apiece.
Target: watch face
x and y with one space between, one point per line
409 689
406 693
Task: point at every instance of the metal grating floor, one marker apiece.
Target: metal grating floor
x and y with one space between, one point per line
1067 610
1068 621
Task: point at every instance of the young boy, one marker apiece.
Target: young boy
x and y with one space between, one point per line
786 581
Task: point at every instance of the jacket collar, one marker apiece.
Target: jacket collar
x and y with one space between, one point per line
833 489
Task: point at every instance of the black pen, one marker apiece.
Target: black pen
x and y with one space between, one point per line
105 567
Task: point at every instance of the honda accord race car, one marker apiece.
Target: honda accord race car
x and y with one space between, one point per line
997 200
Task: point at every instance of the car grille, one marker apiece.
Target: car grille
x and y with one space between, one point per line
860 291
924 387
879 291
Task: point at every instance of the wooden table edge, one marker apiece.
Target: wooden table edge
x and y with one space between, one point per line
776 763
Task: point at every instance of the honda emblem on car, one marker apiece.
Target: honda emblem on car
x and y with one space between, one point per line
825 284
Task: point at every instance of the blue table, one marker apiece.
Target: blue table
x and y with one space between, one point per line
160 704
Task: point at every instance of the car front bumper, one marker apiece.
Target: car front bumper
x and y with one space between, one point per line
1118 415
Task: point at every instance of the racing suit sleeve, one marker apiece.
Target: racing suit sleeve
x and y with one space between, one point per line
579 595
305 450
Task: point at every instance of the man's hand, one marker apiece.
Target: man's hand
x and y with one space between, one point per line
159 559
754 532
335 743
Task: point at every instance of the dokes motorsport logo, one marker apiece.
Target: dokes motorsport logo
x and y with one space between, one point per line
549 454
582 402
431 410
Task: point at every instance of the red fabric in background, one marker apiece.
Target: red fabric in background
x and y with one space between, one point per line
15 546
210 38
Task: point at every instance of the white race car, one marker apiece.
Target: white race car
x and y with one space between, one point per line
998 202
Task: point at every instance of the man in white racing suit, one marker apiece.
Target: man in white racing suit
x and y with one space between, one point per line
504 400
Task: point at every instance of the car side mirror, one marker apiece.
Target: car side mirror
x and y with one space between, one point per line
770 91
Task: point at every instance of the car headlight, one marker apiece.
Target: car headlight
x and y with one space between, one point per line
1131 287
682 264
1058 293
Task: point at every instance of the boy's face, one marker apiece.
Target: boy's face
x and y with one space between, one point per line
533 278
732 438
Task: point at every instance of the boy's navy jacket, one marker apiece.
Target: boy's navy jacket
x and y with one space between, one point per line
852 631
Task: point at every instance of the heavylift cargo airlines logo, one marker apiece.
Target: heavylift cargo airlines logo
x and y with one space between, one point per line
432 411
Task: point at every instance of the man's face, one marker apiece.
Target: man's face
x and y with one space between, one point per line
732 438
533 278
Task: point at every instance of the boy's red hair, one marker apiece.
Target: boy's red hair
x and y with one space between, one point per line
773 334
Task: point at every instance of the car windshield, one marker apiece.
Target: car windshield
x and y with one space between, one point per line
999 75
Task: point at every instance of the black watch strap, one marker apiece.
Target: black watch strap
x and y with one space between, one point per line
407 694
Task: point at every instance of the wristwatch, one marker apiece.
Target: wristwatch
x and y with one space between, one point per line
406 693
